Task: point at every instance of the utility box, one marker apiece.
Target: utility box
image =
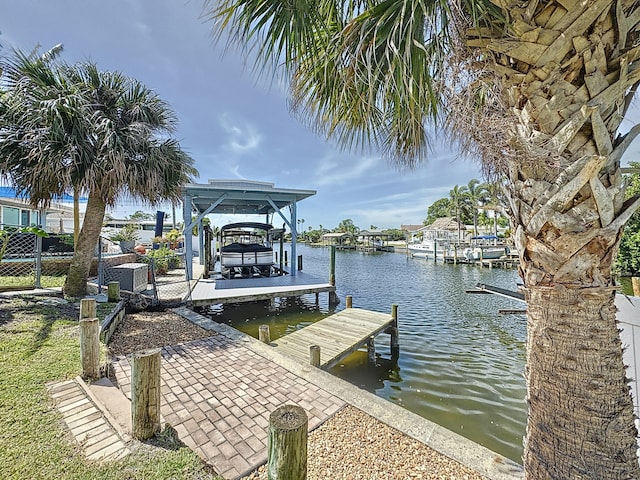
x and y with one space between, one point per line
132 276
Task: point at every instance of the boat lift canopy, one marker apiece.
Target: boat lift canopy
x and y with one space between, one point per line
244 197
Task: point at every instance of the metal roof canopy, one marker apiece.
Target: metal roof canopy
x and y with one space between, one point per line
245 197
242 197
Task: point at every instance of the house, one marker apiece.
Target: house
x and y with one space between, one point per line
17 212
446 229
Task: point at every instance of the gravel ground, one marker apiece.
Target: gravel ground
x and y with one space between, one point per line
355 446
143 330
349 446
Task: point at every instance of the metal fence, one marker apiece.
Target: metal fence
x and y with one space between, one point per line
29 261
154 277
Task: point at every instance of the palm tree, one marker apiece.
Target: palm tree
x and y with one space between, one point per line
538 91
70 127
458 203
477 195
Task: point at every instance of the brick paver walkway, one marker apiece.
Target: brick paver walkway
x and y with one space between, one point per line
218 395
87 422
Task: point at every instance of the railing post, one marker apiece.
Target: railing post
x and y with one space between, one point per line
145 394
287 444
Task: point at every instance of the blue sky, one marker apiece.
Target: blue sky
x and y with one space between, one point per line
232 123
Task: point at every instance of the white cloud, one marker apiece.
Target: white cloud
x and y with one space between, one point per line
333 172
241 138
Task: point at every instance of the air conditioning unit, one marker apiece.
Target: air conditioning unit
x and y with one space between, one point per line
132 276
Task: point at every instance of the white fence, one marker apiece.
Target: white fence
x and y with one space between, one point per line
629 319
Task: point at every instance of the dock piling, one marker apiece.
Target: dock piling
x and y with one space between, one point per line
265 334
314 355
349 301
287 443
145 394
333 297
371 350
90 348
395 341
113 291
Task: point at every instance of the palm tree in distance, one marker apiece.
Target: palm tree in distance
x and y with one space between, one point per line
459 203
538 91
68 127
477 195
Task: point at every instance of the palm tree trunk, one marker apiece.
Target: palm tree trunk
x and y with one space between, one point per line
76 282
567 80
581 415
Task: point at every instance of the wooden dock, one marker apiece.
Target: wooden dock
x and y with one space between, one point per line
239 290
339 335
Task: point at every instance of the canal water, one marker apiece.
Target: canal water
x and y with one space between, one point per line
461 364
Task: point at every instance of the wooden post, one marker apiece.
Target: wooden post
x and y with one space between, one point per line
88 308
349 301
435 251
299 262
455 254
635 283
287 443
395 344
286 257
333 297
145 394
113 291
332 265
265 334
90 347
314 355
371 350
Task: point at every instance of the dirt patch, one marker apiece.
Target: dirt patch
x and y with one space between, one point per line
144 330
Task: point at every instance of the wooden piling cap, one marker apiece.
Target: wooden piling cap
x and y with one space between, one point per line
288 417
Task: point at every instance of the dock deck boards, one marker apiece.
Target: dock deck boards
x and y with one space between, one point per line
238 290
337 336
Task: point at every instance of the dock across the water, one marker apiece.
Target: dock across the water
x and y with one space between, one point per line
327 342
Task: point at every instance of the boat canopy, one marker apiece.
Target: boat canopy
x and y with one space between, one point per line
485 237
234 226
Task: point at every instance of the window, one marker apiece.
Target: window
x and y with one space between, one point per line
11 216
25 218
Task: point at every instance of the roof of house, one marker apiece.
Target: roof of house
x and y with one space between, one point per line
446 223
337 235
411 228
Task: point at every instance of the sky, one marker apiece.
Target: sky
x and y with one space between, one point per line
233 123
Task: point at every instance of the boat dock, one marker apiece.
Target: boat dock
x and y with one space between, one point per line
214 291
327 342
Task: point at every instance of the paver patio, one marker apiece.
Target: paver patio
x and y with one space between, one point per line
218 395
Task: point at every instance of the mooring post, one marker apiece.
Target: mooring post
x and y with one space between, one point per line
299 262
265 334
371 350
395 343
145 394
90 348
333 297
435 252
455 254
635 283
349 301
287 443
286 258
88 308
113 291
314 355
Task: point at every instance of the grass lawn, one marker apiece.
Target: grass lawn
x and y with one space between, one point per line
39 344
28 281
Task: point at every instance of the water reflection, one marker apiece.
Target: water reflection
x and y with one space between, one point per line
460 365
